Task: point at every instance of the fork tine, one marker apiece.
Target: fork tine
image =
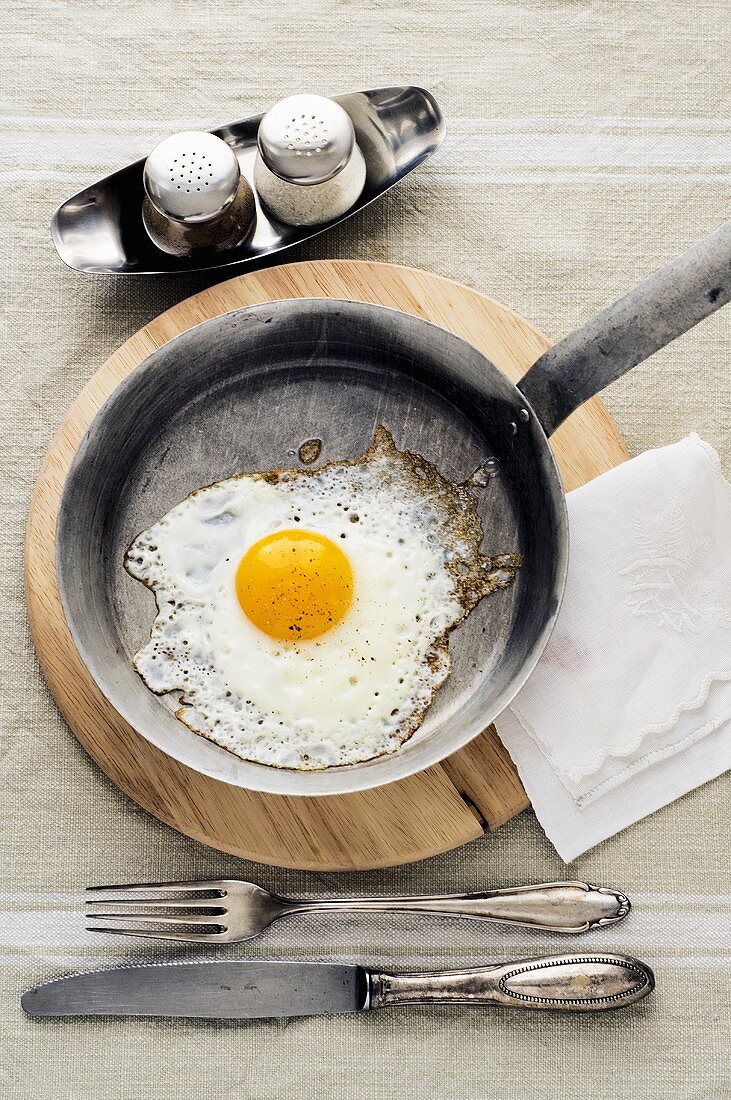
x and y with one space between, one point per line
159 903
155 918
166 887
181 937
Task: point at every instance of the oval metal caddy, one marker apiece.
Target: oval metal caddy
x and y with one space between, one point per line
240 391
100 230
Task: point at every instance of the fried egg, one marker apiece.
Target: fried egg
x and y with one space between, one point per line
304 615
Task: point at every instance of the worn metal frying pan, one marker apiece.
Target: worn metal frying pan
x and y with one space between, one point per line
241 391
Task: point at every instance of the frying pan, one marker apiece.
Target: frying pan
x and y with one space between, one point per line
241 391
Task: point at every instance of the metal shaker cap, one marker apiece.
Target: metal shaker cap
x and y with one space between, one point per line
306 139
191 177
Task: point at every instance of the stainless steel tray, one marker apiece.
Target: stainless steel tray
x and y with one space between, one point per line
100 232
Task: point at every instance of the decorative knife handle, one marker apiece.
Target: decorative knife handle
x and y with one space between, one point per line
567 983
569 907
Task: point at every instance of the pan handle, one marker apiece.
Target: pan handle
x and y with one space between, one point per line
657 311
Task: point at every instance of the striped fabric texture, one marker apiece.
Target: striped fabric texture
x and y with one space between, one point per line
588 141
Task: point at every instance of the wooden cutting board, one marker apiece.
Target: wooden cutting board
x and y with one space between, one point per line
448 805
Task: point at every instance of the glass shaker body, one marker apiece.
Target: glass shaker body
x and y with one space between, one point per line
309 168
195 195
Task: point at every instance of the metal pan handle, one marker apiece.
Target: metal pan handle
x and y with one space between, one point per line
656 312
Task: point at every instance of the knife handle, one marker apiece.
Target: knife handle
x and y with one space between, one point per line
567 983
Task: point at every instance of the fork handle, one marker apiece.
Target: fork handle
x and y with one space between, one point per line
568 907
567 983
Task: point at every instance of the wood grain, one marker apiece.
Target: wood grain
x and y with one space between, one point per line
431 812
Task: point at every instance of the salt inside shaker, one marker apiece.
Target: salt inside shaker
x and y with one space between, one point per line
309 168
195 195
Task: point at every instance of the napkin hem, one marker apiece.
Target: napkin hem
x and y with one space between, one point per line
638 764
568 775
572 829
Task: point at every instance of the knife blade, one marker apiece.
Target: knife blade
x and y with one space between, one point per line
209 990
248 989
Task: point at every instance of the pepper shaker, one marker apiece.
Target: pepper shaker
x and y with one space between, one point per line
309 168
195 195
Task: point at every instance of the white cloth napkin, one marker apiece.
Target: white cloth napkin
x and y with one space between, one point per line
630 705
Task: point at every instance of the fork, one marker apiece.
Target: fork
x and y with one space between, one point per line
234 910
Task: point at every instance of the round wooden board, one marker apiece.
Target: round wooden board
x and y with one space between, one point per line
432 812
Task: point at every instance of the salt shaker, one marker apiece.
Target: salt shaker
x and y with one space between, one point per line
195 195
309 168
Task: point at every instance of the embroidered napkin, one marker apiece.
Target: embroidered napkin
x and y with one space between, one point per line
630 705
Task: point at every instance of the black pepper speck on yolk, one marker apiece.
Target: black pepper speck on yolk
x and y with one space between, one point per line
294 584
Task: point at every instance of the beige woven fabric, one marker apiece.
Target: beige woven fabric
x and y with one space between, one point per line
588 142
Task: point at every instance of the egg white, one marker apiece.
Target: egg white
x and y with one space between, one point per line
361 688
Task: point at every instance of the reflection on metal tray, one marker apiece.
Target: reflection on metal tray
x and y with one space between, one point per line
100 230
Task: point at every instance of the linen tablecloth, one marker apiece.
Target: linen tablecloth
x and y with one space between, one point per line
588 142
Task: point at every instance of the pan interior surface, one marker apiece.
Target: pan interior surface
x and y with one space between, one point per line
241 393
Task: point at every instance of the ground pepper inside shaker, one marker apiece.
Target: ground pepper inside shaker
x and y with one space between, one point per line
309 168
195 195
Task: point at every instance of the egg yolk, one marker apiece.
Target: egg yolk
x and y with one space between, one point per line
294 584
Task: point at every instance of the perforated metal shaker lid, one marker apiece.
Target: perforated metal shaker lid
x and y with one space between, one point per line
306 139
191 177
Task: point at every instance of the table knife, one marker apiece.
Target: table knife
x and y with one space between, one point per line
250 989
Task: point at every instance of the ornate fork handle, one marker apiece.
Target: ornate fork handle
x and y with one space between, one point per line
567 983
569 907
